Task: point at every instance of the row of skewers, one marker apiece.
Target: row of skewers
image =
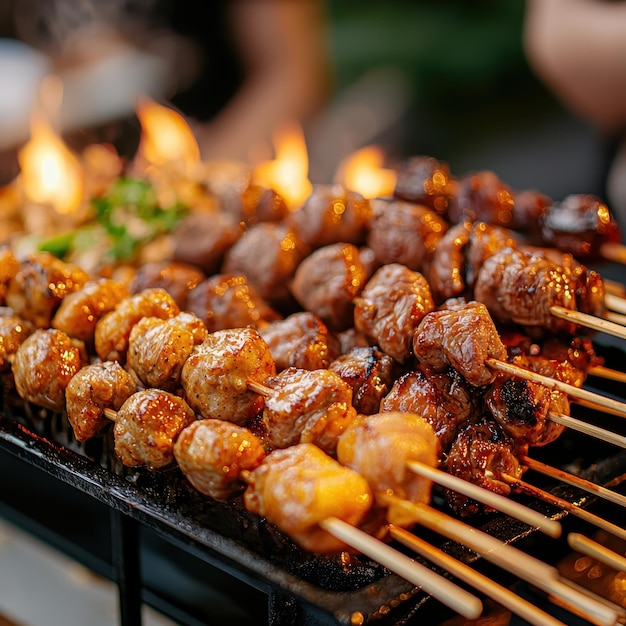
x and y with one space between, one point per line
144 342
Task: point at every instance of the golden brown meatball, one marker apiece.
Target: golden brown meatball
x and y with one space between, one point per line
113 330
79 312
147 426
216 374
213 453
93 389
44 365
158 349
13 332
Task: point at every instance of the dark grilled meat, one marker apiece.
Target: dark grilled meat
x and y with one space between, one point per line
327 282
331 214
447 271
477 449
9 267
307 406
390 308
229 301
176 278
484 241
580 224
425 180
268 255
370 373
444 400
464 337
301 340
405 233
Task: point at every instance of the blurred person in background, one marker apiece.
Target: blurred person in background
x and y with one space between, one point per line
234 68
578 48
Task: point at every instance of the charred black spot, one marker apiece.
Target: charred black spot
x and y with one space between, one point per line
518 399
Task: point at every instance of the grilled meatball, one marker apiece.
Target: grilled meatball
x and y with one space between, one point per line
13 332
43 366
252 203
299 487
447 271
405 233
158 349
390 308
213 453
331 214
369 372
379 447
215 377
176 278
40 284
79 312
481 453
147 425
93 389
301 340
528 207
229 301
203 238
425 180
327 281
307 406
482 196
113 330
464 337
268 255
445 400
520 287
580 224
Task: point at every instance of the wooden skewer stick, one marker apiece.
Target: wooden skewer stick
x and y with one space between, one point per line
521 607
616 318
575 481
546 496
615 302
260 388
614 288
551 383
110 414
587 546
526 567
514 509
432 583
613 252
588 429
589 321
606 372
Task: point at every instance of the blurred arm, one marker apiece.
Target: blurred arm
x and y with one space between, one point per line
283 47
578 48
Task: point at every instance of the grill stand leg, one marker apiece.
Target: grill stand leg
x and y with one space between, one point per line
126 567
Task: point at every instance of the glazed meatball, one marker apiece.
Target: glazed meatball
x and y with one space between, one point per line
213 453
93 389
43 366
146 427
215 378
13 332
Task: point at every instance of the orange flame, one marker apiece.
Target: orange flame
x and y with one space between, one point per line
287 174
50 173
362 172
166 137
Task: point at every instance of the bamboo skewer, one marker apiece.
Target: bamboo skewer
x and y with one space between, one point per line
615 302
505 505
551 383
613 252
605 372
589 321
583 514
524 566
588 429
587 546
616 318
432 583
521 607
573 480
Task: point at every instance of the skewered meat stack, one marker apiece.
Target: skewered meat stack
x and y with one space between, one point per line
376 328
